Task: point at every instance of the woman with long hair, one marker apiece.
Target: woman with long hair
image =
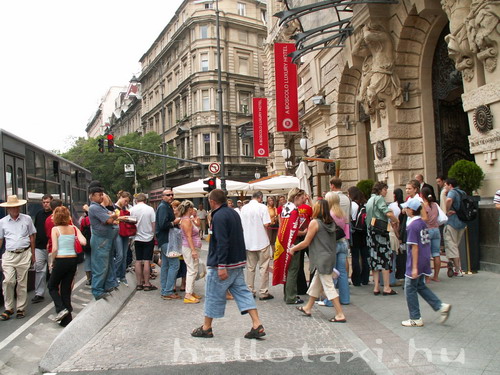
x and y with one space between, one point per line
377 216
431 208
191 246
125 231
398 260
359 249
320 239
342 221
64 263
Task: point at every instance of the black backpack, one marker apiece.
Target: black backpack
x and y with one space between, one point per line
359 225
467 210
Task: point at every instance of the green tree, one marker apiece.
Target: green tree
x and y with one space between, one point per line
108 167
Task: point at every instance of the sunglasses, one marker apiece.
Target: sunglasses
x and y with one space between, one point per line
168 195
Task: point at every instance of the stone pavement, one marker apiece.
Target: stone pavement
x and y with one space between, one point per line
152 333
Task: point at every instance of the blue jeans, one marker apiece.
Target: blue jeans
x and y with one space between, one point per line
343 279
102 264
169 269
215 293
413 287
435 237
121 245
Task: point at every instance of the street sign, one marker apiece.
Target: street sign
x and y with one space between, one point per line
214 168
128 167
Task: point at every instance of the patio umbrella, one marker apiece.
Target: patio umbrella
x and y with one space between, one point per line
275 185
303 173
195 189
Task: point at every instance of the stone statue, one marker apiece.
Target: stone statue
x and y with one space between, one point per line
458 41
378 76
483 29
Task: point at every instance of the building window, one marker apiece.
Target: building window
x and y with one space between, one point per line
204 62
209 5
247 149
263 15
195 101
203 31
205 100
244 102
206 144
243 65
242 11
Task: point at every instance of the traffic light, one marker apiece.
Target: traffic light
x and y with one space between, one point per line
111 142
100 144
211 184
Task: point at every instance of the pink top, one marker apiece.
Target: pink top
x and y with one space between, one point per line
195 234
432 215
341 222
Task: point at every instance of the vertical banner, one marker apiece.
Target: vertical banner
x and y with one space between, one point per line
287 106
260 129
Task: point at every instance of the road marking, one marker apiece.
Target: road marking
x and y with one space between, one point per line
30 322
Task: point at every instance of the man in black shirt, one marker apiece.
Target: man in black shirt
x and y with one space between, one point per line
41 254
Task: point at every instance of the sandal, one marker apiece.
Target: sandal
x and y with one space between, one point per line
139 287
148 288
335 320
200 332
301 309
20 314
256 333
6 315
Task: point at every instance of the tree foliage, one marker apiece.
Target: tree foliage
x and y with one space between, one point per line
468 174
108 167
366 187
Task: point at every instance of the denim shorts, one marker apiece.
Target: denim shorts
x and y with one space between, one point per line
215 293
435 237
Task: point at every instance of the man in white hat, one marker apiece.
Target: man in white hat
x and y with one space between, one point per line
19 233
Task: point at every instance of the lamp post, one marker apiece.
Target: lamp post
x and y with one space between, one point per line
219 93
287 153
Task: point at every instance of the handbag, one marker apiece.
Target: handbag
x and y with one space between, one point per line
202 270
174 243
442 217
78 245
379 226
339 233
126 228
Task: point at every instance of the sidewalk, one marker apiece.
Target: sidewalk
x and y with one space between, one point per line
149 333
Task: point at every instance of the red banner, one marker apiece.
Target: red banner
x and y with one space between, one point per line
260 129
287 106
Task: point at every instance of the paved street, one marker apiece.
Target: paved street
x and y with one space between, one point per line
23 342
151 335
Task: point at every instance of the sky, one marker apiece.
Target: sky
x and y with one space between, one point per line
59 57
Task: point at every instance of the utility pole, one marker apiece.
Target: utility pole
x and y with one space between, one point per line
219 93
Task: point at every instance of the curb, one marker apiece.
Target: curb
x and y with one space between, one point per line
85 326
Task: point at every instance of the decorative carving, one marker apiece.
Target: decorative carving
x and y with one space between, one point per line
329 168
380 150
483 28
378 76
483 119
458 42
324 152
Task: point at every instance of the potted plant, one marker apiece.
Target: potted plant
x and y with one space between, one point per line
366 187
470 176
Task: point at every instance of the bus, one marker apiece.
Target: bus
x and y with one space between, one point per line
29 172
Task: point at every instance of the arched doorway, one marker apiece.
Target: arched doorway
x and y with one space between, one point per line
450 119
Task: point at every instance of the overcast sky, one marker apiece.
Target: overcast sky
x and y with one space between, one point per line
59 57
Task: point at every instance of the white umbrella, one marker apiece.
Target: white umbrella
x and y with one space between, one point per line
195 189
275 185
303 173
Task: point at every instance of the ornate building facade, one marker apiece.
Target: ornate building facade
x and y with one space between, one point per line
414 89
179 87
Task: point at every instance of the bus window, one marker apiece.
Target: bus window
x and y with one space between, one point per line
9 184
20 183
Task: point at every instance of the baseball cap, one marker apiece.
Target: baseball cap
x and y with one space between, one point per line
413 203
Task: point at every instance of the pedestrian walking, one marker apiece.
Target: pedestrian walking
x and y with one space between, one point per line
64 263
418 267
255 220
18 232
226 260
321 240
41 253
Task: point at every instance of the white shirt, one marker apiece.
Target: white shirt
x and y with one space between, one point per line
146 218
202 214
394 207
254 216
354 210
16 232
345 203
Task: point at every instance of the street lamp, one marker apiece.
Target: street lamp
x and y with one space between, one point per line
304 143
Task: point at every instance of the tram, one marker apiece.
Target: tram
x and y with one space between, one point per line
29 172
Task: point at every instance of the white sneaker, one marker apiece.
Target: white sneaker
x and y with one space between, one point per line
321 303
61 315
445 312
459 273
413 323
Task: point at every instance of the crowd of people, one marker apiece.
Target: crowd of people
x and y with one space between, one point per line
394 242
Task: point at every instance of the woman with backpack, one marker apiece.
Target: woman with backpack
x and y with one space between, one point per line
126 229
359 249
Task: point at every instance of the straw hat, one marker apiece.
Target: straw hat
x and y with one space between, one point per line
13 201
